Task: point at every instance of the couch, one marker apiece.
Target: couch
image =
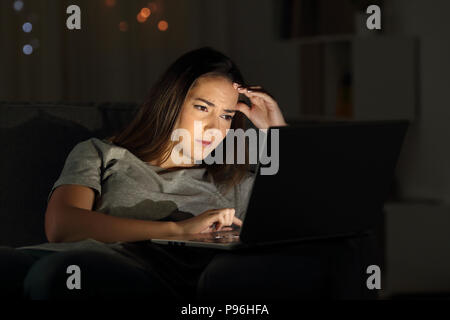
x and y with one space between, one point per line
35 139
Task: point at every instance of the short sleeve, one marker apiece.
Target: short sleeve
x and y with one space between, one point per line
244 190
82 166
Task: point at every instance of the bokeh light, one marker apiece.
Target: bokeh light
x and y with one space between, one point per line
152 6
110 3
140 18
145 12
123 26
27 27
27 49
18 5
163 25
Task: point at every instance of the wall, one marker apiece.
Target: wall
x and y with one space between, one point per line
417 237
425 163
100 63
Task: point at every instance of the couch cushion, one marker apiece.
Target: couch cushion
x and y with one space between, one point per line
33 154
115 116
35 141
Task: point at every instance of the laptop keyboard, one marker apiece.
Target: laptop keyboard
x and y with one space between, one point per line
218 237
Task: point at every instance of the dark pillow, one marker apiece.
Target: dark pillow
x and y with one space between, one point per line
115 117
32 157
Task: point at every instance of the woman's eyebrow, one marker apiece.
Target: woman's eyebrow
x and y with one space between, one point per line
206 101
213 105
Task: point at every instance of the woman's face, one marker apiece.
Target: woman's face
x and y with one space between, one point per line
208 105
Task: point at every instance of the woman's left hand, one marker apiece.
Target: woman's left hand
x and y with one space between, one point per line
264 111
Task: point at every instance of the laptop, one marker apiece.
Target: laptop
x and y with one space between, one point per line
332 181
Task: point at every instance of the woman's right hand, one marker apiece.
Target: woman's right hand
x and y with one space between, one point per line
208 221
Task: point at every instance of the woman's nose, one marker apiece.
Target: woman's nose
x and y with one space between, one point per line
211 123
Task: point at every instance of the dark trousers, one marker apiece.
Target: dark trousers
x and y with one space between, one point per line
311 270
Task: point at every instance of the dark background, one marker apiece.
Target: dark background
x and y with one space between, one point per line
316 57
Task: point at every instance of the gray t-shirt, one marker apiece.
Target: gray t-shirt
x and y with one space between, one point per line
125 186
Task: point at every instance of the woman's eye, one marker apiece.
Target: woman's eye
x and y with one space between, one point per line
227 117
202 108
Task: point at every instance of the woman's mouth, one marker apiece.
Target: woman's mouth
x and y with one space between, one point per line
204 142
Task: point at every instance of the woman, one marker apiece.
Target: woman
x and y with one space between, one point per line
133 186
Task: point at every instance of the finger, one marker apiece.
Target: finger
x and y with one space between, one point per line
220 223
237 221
255 88
217 221
242 107
258 104
257 91
221 218
259 101
226 217
212 211
254 99
231 217
210 222
263 95
239 86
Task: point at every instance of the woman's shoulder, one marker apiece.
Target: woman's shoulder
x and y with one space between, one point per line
97 147
91 143
97 142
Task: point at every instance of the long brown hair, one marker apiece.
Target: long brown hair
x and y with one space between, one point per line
147 136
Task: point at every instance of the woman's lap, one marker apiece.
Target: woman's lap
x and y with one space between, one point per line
26 274
233 276
311 270
14 266
102 276
316 270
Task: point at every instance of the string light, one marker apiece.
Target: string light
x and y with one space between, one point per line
163 25
145 12
18 5
110 3
140 18
152 6
27 27
27 49
123 26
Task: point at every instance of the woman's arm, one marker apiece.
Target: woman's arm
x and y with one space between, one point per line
69 217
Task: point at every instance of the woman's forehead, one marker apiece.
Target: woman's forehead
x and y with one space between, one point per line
218 92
